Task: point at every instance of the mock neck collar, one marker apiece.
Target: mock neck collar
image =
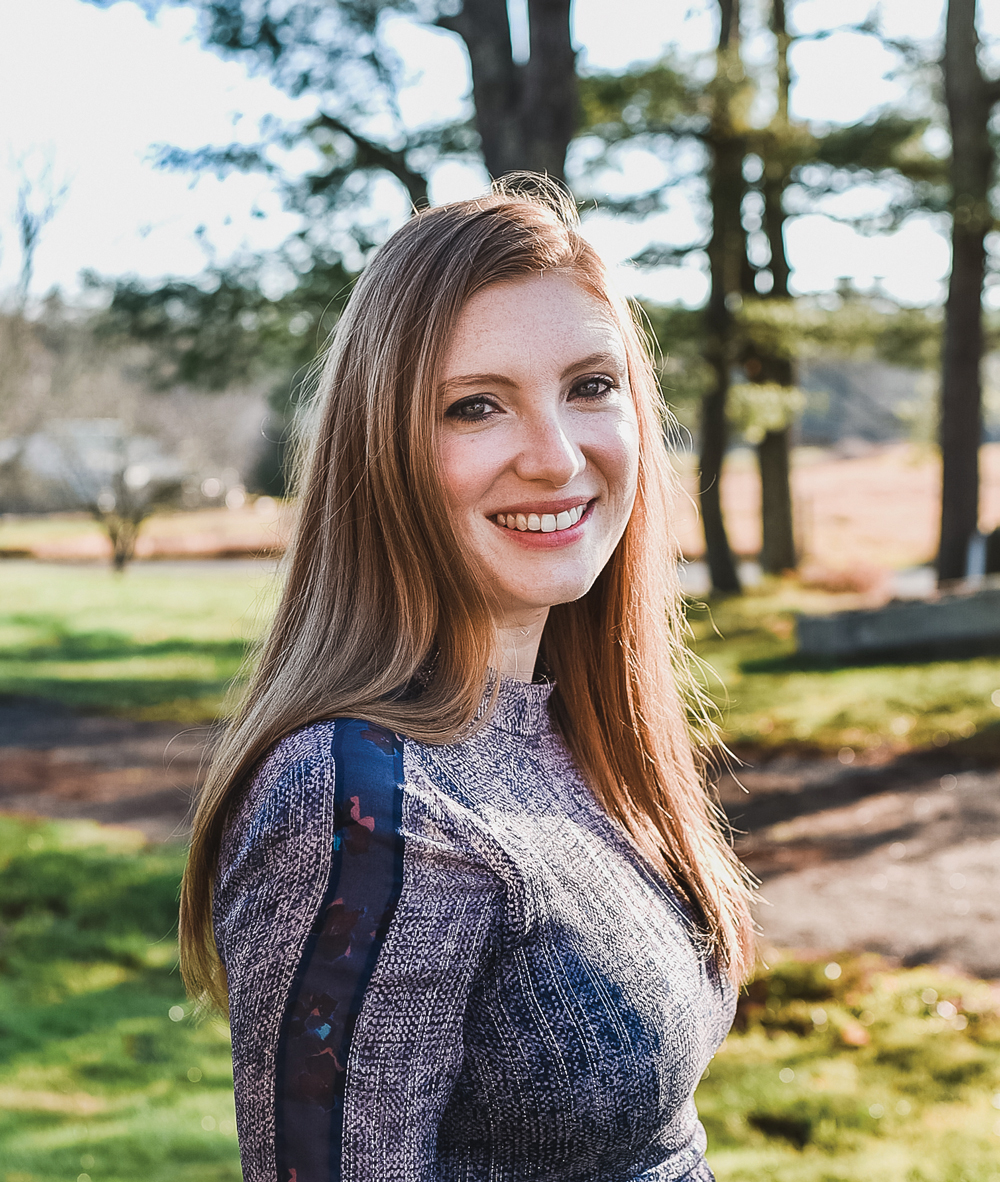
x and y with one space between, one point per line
521 706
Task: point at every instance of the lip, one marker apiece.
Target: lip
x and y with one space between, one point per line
535 539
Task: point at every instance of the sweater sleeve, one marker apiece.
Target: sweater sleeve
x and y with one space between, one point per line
348 985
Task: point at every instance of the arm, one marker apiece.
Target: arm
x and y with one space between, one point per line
350 943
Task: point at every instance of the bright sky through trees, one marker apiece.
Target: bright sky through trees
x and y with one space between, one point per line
92 89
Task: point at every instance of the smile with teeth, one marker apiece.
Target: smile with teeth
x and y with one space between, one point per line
546 523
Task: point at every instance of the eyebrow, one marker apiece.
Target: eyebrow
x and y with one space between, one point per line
499 379
475 379
592 360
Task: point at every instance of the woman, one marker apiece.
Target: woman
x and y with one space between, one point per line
471 905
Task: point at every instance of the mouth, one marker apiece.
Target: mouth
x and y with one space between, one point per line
544 523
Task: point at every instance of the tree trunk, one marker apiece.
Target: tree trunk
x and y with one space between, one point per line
725 254
774 463
774 451
549 113
485 28
969 98
525 115
122 534
778 550
714 436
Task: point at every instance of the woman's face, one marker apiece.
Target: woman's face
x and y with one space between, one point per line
538 439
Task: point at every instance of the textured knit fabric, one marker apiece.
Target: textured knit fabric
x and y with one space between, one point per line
447 964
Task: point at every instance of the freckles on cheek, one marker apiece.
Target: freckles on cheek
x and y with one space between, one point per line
620 454
459 472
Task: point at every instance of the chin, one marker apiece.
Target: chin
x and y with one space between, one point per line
539 599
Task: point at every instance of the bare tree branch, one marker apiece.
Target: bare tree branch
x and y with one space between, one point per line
39 199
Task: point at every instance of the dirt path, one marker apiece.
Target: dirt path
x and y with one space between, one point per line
56 763
902 858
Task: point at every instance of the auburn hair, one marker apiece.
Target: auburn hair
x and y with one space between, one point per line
376 579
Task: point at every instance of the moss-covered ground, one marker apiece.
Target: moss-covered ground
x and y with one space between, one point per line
847 1070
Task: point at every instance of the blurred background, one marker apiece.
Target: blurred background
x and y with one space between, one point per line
800 195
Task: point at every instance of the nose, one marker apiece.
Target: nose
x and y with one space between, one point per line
547 452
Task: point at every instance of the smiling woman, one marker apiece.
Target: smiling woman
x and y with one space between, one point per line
455 869
538 447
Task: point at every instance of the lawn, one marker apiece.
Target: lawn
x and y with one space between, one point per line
769 699
156 642
837 1071
879 1074
164 642
103 1074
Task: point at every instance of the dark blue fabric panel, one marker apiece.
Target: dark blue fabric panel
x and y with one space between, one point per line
366 877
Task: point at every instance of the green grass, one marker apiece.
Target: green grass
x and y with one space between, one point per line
99 1081
146 644
882 1075
769 699
166 645
102 1071
895 1074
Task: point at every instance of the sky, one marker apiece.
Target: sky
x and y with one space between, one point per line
87 92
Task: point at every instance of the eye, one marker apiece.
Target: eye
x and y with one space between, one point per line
473 409
594 388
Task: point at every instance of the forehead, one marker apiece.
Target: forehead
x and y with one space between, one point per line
533 321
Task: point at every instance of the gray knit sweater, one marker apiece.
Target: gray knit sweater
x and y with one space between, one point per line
447 964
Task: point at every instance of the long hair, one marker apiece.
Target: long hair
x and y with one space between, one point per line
377 579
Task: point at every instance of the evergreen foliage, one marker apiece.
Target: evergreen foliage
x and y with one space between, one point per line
720 124
756 173
335 51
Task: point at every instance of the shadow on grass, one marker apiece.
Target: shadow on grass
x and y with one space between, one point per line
100 1069
137 1094
30 1029
119 694
792 662
982 747
60 644
65 911
197 697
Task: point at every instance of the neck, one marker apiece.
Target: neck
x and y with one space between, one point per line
518 638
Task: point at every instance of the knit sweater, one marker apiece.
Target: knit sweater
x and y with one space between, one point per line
448 964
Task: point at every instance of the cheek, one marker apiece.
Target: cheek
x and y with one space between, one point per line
616 451
465 471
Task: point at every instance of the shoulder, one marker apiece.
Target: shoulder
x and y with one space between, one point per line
327 782
296 785
318 752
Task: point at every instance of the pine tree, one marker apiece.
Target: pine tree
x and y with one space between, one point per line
663 105
970 99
